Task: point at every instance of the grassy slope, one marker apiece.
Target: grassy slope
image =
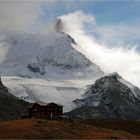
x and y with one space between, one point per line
33 128
125 125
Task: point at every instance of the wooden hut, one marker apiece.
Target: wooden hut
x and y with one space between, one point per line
50 110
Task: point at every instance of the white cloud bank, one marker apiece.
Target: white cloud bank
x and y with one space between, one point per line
19 15
122 59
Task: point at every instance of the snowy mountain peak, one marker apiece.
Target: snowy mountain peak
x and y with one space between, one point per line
60 54
45 67
115 74
110 77
116 78
107 80
58 51
50 54
58 25
116 82
111 97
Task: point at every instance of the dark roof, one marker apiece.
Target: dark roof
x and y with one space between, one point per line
55 103
45 104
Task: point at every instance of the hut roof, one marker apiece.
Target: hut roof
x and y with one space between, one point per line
45 104
55 103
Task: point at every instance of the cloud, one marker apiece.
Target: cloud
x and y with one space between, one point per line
26 15
19 16
122 59
74 22
118 33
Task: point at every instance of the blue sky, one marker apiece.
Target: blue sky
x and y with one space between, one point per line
119 19
122 15
106 12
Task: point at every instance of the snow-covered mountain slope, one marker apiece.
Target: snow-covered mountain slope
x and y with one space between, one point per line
110 97
45 67
49 54
64 61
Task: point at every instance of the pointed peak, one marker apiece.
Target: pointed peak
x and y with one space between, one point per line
58 25
59 28
109 78
114 74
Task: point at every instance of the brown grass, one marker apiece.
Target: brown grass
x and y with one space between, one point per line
130 126
51 129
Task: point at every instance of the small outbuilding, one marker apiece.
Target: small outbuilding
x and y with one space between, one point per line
50 110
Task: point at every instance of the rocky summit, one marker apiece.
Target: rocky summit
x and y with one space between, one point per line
110 97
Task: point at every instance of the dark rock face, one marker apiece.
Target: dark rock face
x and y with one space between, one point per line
10 106
33 67
108 98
